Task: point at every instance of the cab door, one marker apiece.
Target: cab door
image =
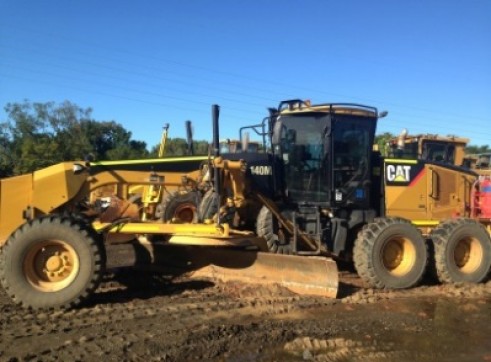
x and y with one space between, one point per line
449 192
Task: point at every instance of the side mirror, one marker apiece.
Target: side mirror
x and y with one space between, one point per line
278 128
383 114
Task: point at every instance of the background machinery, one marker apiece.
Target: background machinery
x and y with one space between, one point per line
317 193
430 147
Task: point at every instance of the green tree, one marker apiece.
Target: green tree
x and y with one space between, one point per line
37 135
6 160
381 141
179 147
473 149
110 141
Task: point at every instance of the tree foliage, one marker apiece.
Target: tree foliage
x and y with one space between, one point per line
37 135
473 149
381 141
179 147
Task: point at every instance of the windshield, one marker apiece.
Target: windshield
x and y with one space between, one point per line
303 149
325 155
438 151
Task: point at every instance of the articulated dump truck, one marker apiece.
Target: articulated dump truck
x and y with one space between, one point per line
315 193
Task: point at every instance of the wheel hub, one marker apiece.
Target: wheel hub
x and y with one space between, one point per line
461 254
185 213
54 263
398 255
393 255
51 265
468 255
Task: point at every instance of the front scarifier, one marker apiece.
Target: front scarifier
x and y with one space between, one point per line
52 262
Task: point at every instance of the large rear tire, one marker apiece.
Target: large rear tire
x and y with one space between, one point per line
181 206
52 263
277 239
462 251
390 253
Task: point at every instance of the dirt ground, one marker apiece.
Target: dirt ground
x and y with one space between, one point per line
142 316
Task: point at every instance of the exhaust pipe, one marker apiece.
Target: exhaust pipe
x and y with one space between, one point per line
401 139
215 111
189 138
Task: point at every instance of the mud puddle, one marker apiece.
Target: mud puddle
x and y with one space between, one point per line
427 329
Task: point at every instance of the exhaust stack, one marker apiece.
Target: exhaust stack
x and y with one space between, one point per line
189 138
215 111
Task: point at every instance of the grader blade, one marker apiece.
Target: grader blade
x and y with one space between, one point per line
302 275
316 276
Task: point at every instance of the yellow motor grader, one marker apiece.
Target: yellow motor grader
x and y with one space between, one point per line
316 194
430 147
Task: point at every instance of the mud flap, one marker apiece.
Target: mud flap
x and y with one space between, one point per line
313 275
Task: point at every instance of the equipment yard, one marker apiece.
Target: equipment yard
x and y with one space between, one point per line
142 317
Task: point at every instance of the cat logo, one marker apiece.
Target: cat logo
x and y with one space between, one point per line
398 173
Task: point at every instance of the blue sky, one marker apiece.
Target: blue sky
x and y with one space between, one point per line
146 63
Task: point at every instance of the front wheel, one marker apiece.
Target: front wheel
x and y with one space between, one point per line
462 251
390 253
51 263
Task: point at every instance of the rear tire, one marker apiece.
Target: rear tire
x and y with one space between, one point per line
277 239
182 206
390 253
462 251
52 263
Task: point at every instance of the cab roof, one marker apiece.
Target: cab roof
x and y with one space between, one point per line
435 137
299 107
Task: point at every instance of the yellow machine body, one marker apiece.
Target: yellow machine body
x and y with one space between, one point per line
426 193
65 184
24 197
59 188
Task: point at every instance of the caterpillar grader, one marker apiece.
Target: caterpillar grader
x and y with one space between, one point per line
317 193
431 147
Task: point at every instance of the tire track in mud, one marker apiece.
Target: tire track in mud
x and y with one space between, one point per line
142 316
341 349
120 318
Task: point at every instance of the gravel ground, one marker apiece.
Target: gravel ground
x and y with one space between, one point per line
143 316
